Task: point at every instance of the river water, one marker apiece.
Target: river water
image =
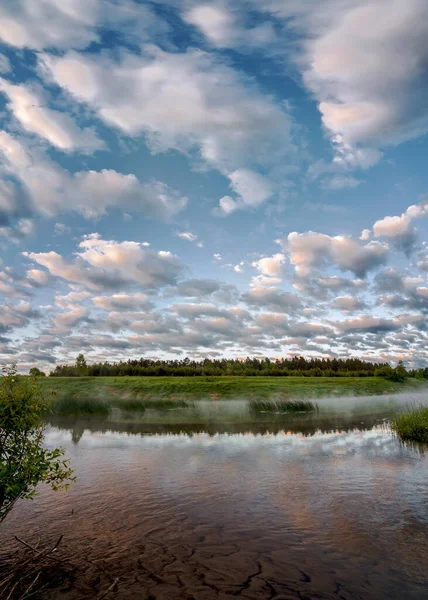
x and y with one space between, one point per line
215 503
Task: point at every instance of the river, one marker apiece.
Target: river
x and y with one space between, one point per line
213 503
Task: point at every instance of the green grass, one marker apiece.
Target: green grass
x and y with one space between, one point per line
80 402
412 425
132 404
80 406
139 393
282 406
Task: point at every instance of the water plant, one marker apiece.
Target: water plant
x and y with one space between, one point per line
412 425
78 406
131 404
282 406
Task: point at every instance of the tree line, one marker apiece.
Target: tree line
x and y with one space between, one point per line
282 367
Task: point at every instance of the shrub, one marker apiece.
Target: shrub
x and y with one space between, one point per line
24 461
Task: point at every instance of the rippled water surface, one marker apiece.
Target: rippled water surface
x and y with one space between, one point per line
311 506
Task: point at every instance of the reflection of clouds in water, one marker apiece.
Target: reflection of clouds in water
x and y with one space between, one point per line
377 441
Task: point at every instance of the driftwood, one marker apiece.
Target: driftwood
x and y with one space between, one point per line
110 589
36 570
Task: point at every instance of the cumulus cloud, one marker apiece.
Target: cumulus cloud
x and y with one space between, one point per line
104 264
15 316
368 324
194 288
216 110
123 302
31 111
47 188
397 291
272 298
310 251
222 27
271 265
251 188
400 230
368 79
347 303
74 23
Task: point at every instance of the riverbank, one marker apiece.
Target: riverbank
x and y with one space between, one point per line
98 394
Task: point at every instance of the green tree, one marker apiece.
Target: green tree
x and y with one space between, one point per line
24 460
36 372
81 366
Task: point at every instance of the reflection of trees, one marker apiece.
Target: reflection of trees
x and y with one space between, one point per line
306 425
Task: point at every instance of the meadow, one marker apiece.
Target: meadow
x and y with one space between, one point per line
87 395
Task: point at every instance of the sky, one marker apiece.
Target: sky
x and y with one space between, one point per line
213 179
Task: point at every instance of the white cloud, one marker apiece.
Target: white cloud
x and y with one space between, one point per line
310 250
356 58
65 24
270 265
189 237
215 22
272 298
5 65
49 189
222 27
182 101
340 182
61 229
37 278
123 302
347 303
400 229
227 205
59 129
104 264
252 190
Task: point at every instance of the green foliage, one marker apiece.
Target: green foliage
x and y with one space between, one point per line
81 366
412 425
296 366
282 406
77 406
36 372
24 461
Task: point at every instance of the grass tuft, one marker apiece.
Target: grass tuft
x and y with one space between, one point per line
412 425
73 406
282 406
131 404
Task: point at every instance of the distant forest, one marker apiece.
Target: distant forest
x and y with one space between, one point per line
296 366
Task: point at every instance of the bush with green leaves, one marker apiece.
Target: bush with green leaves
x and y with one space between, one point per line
24 460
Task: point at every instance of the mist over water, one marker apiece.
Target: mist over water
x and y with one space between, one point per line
323 505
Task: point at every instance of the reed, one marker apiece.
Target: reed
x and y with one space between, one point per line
412 425
76 406
282 406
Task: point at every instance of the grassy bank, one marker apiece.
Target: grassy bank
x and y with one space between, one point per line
412 425
99 394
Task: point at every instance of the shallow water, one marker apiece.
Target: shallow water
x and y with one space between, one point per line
328 505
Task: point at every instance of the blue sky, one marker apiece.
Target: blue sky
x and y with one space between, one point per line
186 178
